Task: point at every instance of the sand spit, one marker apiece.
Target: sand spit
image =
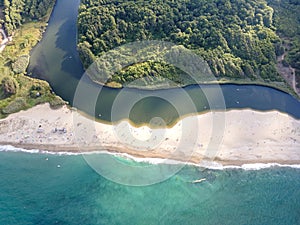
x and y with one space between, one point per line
234 137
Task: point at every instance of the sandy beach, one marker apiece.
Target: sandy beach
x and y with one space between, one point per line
234 137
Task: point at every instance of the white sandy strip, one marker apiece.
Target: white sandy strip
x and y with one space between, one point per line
233 138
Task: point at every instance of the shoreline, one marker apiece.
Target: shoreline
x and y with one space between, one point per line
214 165
223 81
248 137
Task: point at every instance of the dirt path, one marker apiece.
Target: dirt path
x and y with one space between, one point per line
4 41
3 34
288 73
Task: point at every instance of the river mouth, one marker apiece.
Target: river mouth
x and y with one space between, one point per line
56 60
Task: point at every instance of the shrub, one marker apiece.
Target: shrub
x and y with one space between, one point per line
20 65
9 87
15 106
57 102
35 91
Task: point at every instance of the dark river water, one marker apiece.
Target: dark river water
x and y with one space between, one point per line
56 60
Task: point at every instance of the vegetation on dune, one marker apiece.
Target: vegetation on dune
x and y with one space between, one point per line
26 20
236 37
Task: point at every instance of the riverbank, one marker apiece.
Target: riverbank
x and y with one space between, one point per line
281 86
248 136
25 94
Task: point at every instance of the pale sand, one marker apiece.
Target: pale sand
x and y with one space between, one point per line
248 136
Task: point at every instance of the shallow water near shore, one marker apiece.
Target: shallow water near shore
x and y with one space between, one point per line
63 189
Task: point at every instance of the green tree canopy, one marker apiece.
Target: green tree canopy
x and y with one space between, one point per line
236 37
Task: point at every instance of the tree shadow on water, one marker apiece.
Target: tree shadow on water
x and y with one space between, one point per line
66 41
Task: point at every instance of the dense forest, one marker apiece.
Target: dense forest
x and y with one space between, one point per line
17 12
236 37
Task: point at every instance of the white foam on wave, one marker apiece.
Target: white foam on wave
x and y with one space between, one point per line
250 166
10 148
258 166
204 164
154 161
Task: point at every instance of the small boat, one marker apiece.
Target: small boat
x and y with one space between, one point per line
199 181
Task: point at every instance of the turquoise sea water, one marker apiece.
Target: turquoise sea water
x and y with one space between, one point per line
34 190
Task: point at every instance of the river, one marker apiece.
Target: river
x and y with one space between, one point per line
56 60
